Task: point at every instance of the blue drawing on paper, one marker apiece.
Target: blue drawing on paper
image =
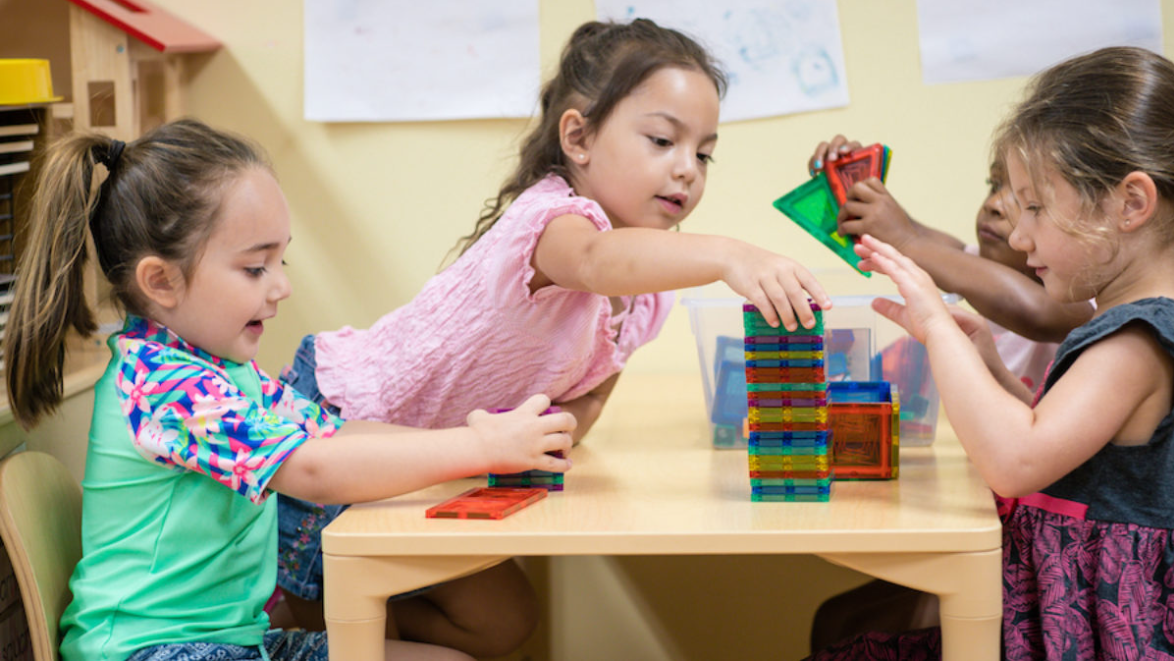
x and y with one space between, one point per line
815 71
780 57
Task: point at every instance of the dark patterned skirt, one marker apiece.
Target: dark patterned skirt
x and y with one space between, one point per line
1073 590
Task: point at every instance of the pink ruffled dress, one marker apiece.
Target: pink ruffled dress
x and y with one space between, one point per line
476 337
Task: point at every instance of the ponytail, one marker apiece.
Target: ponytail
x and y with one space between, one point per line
49 296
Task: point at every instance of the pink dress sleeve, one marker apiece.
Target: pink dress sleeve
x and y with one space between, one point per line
511 264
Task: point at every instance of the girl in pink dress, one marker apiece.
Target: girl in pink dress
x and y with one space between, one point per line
1085 470
567 272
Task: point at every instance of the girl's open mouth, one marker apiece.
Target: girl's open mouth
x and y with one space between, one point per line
670 204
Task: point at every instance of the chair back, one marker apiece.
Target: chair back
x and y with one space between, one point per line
40 525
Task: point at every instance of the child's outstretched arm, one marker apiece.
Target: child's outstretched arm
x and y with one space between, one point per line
872 209
367 461
998 292
572 253
1022 450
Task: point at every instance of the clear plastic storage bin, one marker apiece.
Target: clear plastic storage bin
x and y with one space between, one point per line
859 345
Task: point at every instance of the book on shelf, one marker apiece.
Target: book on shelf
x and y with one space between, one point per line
19 129
16 146
14 168
7 283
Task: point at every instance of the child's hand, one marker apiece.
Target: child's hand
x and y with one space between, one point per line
521 439
923 308
777 285
830 151
870 209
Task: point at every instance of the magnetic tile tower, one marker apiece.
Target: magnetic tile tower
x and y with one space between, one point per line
786 388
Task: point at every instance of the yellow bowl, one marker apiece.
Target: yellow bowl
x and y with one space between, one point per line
24 81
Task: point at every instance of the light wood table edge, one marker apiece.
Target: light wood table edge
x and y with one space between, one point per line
356 590
961 564
568 542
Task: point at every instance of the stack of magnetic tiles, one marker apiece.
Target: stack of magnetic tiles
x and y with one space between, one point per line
533 479
787 396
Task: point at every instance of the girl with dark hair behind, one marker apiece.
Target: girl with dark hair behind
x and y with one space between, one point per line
568 271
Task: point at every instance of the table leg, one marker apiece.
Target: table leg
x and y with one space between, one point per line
969 585
356 590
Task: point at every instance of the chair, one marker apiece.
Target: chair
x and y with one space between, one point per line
40 525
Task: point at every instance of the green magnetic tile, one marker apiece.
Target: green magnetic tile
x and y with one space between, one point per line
523 481
754 324
785 387
813 207
728 436
810 451
784 355
788 482
790 498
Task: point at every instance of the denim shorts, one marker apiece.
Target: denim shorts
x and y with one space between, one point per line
299 522
278 646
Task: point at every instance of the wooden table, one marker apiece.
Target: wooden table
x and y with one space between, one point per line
646 481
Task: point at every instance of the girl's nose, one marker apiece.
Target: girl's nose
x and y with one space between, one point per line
281 288
996 204
685 167
1018 239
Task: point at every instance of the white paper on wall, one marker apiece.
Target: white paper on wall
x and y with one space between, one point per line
963 40
403 60
781 57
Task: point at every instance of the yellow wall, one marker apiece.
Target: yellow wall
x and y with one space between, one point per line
377 205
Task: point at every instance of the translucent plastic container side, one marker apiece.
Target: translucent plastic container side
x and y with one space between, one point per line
717 327
859 345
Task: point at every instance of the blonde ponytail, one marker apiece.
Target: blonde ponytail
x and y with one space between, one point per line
49 295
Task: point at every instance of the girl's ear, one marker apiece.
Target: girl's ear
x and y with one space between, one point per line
160 281
572 135
1137 197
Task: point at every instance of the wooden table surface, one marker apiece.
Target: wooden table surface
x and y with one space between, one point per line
646 481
